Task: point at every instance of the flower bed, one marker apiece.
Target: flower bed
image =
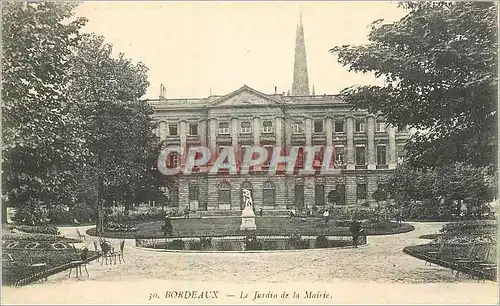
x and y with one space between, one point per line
113 226
37 229
37 237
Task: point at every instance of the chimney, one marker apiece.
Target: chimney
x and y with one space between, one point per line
163 92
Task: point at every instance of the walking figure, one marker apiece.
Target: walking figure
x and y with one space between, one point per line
167 228
355 230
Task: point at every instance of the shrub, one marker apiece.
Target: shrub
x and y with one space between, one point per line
177 244
252 244
31 215
112 226
296 242
60 214
205 243
321 241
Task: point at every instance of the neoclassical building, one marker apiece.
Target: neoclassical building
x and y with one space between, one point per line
366 148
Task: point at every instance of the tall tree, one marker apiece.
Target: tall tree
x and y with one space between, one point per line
41 131
439 64
119 128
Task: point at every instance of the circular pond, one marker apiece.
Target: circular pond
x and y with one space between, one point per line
247 243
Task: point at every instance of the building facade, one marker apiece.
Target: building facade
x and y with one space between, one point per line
366 148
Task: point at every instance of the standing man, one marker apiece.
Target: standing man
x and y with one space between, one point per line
355 230
261 212
167 228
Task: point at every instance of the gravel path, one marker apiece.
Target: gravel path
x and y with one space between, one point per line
380 263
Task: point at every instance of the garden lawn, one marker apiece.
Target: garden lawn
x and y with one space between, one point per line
276 226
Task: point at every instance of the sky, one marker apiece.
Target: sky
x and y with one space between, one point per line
195 47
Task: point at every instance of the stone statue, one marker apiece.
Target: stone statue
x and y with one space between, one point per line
247 196
247 215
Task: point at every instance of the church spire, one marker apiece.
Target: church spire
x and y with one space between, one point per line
300 85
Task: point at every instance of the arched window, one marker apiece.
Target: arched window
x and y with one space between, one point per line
224 195
245 185
268 194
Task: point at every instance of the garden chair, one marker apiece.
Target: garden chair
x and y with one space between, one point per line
77 264
79 235
472 256
436 254
488 263
107 253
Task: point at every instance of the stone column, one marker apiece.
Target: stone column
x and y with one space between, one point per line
278 131
234 132
182 133
392 147
370 149
202 131
350 143
308 131
329 131
256 131
161 130
213 137
288 131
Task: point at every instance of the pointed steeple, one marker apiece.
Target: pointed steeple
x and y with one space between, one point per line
300 86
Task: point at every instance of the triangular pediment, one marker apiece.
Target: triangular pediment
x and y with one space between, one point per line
245 96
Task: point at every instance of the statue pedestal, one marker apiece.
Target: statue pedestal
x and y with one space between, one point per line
248 219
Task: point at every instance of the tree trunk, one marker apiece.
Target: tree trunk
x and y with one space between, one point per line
100 209
4 212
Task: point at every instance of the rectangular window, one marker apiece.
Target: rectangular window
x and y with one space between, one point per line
298 128
269 150
361 191
381 155
193 193
223 128
193 129
339 126
360 125
300 158
360 155
381 126
173 160
339 156
246 127
383 187
172 129
243 152
319 194
267 126
318 126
